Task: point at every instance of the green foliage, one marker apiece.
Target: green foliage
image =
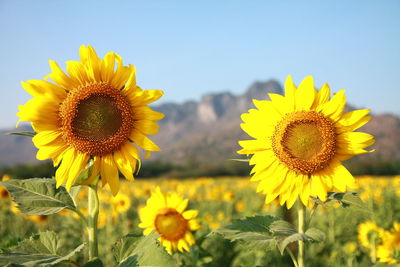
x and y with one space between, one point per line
135 250
266 232
253 231
94 263
42 249
29 134
26 171
349 199
39 196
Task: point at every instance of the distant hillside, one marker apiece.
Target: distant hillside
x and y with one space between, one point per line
205 133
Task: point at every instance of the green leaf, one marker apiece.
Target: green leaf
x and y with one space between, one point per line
254 231
283 242
240 160
282 228
39 250
42 243
94 263
349 199
315 234
30 134
39 196
285 233
134 250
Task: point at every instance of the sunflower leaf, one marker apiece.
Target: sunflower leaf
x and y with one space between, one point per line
240 160
94 263
254 231
135 250
29 134
349 199
315 234
285 233
39 196
42 249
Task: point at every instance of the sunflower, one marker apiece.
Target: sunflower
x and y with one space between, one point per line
369 234
96 113
121 203
3 190
167 215
389 251
300 140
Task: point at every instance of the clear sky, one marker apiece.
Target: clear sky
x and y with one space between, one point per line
190 48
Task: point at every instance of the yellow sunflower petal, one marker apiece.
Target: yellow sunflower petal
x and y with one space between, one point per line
290 92
45 137
334 108
146 113
59 77
146 126
305 94
322 97
124 165
62 171
190 214
281 104
143 141
140 97
109 172
317 188
80 161
352 120
95 171
251 146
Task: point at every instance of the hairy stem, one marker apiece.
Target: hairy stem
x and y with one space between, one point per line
93 210
301 220
292 257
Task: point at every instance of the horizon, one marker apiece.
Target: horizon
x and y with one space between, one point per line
177 50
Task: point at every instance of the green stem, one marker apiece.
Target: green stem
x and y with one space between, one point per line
301 220
93 214
373 250
292 257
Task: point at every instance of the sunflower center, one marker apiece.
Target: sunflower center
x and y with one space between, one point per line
170 224
96 119
304 141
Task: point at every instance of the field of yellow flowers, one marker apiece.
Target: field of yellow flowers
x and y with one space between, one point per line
354 237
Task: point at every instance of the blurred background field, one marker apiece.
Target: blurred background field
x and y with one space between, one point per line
219 200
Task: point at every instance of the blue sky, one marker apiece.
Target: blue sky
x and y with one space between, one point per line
190 48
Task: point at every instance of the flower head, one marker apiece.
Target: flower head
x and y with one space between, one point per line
167 215
369 233
300 140
389 250
121 203
94 112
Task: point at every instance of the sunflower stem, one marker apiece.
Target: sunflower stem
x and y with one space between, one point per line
93 214
292 257
301 220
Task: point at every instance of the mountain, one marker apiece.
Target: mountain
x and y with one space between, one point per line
205 133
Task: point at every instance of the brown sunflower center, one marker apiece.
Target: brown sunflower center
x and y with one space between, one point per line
304 141
96 119
171 224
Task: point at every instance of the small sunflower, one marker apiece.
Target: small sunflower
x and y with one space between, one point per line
369 232
95 112
121 203
3 190
300 140
389 251
167 215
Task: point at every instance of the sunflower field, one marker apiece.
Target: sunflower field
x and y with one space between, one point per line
95 123
353 234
